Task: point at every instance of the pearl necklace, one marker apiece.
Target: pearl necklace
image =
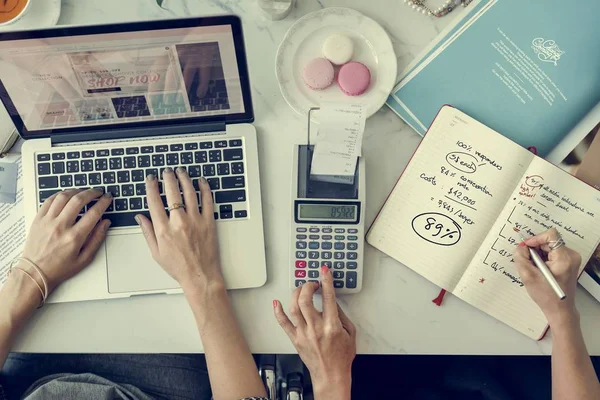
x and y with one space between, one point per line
419 6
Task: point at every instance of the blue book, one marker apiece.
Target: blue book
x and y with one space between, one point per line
525 69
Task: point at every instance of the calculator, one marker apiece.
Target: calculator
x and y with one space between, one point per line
327 225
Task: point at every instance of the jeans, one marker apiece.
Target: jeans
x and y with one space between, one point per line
161 376
374 377
454 377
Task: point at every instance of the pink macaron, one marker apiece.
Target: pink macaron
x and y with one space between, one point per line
319 74
354 78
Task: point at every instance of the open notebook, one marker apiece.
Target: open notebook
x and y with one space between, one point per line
451 216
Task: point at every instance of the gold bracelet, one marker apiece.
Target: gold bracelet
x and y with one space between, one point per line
39 271
34 281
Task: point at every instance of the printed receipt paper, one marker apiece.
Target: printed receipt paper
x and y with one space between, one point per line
339 143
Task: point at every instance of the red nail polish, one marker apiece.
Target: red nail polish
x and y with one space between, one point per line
275 302
324 269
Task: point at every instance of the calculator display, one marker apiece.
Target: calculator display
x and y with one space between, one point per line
327 211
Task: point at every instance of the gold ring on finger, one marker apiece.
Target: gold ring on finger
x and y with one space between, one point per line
176 206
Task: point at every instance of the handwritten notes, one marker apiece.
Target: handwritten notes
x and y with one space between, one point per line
448 197
437 228
544 198
465 174
452 215
339 143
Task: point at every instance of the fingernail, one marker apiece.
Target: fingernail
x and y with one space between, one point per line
138 220
324 270
203 179
107 225
168 169
107 195
522 244
150 177
275 302
99 190
181 170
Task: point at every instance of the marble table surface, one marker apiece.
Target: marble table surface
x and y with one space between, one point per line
394 313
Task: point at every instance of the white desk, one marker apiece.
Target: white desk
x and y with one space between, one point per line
394 313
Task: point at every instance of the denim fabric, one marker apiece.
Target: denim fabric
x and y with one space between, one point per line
179 377
454 377
2 394
82 386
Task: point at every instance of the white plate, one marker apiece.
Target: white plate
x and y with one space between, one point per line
304 41
41 14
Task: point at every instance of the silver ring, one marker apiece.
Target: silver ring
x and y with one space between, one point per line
556 244
176 206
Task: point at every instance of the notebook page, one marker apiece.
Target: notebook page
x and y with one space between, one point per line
448 197
546 197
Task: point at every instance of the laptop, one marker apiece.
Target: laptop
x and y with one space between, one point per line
106 105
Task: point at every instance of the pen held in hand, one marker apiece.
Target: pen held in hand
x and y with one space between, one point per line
539 262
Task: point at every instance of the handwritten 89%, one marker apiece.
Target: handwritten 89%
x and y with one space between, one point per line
437 228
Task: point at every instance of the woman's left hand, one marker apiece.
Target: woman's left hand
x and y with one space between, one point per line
60 245
184 242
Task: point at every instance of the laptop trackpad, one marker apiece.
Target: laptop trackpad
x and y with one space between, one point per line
131 267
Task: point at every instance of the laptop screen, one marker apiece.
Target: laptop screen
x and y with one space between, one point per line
64 83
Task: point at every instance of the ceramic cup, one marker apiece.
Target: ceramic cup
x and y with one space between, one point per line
12 11
275 9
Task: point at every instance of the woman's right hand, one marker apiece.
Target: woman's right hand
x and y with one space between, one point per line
326 342
184 242
564 264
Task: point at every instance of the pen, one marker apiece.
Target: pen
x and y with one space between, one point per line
537 260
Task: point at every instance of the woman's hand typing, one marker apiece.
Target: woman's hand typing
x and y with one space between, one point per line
184 243
58 243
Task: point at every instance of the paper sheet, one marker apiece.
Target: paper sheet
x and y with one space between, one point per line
448 197
545 197
451 216
8 180
339 143
12 225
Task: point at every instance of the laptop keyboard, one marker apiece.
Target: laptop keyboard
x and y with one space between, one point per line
122 172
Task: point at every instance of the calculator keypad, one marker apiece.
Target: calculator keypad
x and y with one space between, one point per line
334 248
